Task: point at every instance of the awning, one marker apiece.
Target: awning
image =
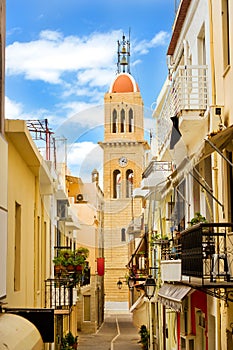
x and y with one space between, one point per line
221 140
138 303
172 295
17 333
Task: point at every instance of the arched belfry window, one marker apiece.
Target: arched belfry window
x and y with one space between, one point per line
114 121
131 120
122 120
116 184
129 183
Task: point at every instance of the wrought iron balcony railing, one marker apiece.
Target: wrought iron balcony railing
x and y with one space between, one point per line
207 252
61 292
170 251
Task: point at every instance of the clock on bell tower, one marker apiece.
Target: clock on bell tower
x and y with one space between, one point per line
124 149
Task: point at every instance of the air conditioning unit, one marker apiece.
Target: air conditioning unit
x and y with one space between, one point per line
187 342
80 198
218 111
217 117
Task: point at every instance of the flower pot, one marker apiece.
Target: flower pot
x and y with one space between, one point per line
58 269
70 268
79 268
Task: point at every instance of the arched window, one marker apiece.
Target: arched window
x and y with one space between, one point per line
116 184
123 235
129 183
122 120
131 121
114 121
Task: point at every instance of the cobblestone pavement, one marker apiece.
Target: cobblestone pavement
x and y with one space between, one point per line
116 333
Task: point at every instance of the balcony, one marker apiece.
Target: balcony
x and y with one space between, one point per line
60 295
61 292
138 264
170 264
155 173
187 98
135 227
207 255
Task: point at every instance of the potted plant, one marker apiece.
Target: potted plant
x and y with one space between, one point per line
58 264
197 219
68 260
69 263
145 337
79 258
69 341
82 251
79 262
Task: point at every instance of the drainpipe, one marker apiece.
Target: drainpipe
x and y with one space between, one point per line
213 102
212 63
217 220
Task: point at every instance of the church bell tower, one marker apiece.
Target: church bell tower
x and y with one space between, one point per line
124 159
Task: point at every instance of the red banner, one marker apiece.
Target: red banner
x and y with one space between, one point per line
100 266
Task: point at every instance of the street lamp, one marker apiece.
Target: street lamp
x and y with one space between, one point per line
119 284
131 282
149 288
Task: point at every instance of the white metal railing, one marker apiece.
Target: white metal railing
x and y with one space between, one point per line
155 166
188 92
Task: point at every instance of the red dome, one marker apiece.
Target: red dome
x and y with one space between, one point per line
124 82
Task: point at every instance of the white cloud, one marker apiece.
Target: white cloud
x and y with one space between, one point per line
82 111
144 46
52 55
50 35
77 152
83 157
95 77
13 110
82 66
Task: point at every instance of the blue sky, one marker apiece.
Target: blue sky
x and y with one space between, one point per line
61 58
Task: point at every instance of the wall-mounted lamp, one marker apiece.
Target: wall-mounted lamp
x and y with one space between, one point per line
149 287
131 282
119 284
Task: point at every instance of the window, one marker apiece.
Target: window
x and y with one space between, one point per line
122 120
131 126
129 183
201 46
37 253
123 235
116 184
225 33
179 210
114 121
17 262
87 308
62 209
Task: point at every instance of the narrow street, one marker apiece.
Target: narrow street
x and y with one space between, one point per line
117 333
